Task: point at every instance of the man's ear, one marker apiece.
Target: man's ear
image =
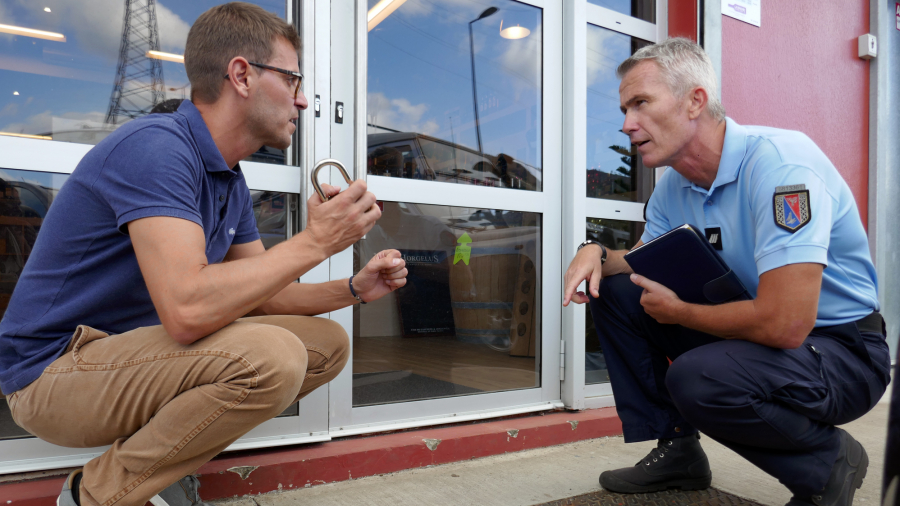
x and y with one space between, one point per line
698 99
239 76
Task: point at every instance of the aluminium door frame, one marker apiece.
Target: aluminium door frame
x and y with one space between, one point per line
349 78
577 207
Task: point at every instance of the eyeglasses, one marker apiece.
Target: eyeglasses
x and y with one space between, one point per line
295 76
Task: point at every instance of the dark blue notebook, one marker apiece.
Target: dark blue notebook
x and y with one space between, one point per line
686 263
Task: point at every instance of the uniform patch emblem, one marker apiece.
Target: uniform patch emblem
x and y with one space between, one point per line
792 210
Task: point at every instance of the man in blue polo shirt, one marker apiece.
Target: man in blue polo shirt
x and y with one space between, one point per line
127 327
771 377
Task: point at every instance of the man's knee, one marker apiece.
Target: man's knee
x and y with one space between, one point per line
280 359
336 349
618 295
619 286
707 380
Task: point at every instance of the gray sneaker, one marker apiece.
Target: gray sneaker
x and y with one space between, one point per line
65 497
183 492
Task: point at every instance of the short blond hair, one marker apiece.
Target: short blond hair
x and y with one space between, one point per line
684 65
224 32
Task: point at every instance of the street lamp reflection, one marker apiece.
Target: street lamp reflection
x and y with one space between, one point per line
487 12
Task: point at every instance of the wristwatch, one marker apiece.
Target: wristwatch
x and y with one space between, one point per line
602 249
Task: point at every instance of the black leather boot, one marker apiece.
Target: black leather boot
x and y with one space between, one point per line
847 475
674 463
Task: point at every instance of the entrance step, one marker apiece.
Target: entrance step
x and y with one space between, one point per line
237 474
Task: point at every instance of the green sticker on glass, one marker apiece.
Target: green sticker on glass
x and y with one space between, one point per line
463 249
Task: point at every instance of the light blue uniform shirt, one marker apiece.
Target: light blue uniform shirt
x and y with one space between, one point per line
758 162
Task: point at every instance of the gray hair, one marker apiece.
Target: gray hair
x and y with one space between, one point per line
684 66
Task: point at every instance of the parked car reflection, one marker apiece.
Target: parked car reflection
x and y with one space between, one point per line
413 155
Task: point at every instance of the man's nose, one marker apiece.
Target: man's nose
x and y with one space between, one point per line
301 101
629 125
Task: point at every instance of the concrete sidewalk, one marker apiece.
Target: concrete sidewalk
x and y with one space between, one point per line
537 476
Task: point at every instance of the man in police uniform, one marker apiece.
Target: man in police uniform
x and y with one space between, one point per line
771 377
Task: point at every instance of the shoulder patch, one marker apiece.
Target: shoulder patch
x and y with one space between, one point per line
792 210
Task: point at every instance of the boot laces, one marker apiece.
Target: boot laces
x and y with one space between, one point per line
656 454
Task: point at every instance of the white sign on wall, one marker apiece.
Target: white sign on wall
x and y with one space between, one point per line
747 11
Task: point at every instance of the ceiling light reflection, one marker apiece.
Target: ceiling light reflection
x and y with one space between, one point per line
382 10
515 32
30 32
159 55
28 136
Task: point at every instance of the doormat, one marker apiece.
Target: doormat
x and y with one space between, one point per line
398 386
708 497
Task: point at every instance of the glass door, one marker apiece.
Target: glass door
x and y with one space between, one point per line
608 185
67 93
457 132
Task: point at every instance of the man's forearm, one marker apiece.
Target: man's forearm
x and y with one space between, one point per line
743 320
215 295
782 315
308 299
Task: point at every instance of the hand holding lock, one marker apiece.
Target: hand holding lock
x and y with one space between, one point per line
338 219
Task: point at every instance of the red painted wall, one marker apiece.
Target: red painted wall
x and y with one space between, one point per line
683 19
801 71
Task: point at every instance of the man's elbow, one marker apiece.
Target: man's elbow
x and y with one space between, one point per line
182 327
793 333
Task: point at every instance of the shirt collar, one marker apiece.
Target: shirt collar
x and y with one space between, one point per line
212 157
733 150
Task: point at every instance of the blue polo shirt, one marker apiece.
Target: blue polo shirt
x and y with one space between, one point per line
777 200
83 270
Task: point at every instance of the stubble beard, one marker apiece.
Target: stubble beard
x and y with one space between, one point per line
261 124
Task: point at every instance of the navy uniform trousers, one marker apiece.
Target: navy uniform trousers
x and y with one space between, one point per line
776 408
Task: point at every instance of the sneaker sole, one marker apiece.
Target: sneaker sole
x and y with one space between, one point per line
613 484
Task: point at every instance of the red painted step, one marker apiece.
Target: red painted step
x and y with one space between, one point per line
286 468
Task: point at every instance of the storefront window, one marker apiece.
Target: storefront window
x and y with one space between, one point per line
641 9
467 320
454 94
25 197
614 234
74 71
614 168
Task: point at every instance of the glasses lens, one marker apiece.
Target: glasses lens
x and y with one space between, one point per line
297 89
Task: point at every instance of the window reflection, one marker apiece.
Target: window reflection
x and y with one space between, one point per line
275 214
429 118
614 168
614 234
467 320
641 9
82 87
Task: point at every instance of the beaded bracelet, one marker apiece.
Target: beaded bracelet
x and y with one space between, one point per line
353 292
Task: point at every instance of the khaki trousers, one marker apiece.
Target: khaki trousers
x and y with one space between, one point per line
168 408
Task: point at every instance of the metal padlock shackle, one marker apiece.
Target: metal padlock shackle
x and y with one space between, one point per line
315 175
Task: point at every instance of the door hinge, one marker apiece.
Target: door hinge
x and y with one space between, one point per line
562 360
